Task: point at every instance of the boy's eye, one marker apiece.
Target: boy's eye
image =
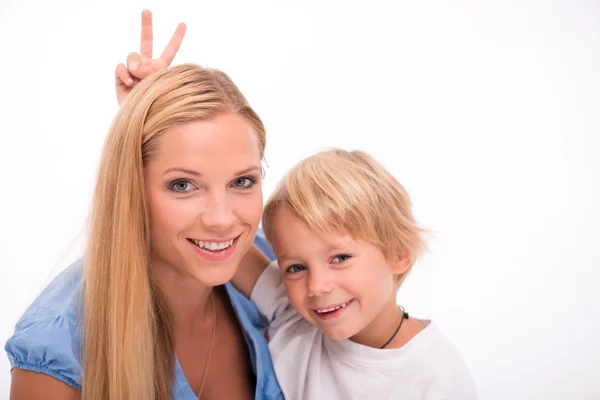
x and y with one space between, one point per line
245 182
181 186
294 269
340 258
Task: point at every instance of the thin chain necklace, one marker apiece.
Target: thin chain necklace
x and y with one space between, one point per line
404 316
212 339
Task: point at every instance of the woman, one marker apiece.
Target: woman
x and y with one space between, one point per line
148 314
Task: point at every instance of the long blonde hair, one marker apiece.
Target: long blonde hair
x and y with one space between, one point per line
349 191
128 350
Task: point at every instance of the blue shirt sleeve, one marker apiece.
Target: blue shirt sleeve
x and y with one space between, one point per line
47 342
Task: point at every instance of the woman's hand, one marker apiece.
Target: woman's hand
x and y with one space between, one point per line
141 65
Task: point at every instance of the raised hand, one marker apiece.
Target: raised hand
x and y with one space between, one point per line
141 65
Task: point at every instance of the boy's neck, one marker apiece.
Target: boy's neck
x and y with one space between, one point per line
383 327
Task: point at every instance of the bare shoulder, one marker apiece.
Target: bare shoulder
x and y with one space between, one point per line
33 385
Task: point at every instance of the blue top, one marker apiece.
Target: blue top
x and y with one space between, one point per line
47 338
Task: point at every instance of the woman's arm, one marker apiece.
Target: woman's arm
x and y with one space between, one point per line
27 385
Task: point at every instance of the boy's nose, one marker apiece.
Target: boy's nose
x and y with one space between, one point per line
319 283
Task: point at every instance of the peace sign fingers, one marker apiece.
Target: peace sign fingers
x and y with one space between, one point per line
140 66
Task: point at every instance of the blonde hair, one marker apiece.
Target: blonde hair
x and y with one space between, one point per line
128 351
349 191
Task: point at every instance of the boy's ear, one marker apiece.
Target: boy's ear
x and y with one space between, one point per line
401 265
402 262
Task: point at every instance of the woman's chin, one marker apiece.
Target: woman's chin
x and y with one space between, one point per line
216 276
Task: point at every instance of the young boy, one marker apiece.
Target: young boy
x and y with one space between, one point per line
345 238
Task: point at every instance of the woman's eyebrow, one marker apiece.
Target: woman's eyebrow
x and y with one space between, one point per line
184 170
198 174
247 170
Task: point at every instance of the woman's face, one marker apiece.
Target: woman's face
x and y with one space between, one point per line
204 194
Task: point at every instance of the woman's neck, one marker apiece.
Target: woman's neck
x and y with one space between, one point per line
187 299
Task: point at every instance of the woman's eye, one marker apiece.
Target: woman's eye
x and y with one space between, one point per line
181 186
244 182
294 269
340 258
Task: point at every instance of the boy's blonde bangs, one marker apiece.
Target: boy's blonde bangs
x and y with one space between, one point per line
341 191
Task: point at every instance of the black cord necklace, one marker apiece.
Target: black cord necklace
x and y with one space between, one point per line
404 316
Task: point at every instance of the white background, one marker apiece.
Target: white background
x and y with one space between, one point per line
488 112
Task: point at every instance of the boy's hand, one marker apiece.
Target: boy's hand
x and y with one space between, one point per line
141 65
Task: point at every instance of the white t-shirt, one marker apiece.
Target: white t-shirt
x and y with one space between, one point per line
311 366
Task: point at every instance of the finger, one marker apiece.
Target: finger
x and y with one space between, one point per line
146 40
170 51
139 71
122 76
134 63
122 82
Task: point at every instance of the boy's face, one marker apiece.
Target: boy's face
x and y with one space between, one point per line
342 285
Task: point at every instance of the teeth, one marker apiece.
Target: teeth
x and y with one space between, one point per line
212 246
325 310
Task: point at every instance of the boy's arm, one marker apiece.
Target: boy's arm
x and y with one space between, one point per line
251 267
259 279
